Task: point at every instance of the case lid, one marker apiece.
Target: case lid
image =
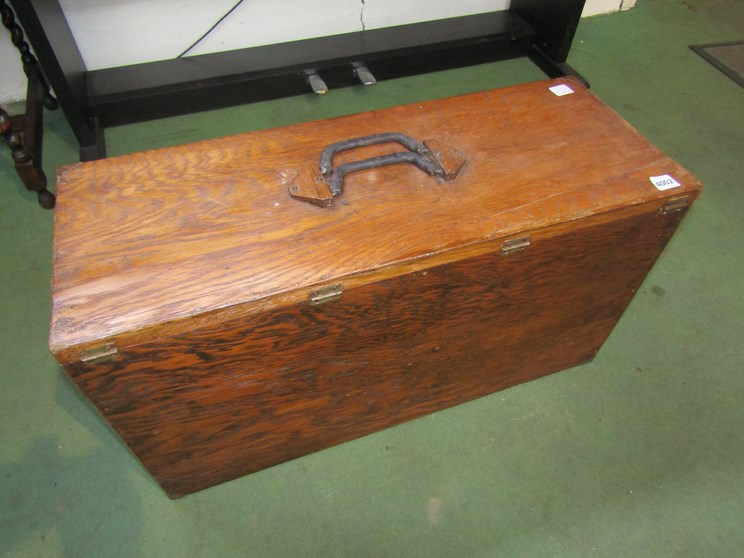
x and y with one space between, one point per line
160 238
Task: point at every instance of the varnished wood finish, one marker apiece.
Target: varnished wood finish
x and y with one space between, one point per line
197 265
451 160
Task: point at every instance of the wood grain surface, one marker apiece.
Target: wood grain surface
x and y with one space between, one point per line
197 266
150 238
230 398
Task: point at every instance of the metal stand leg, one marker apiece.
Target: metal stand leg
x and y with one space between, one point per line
555 23
554 69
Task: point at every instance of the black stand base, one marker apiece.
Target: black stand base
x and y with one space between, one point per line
554 69
96 150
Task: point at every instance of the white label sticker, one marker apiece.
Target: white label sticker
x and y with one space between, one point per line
664 182
561 90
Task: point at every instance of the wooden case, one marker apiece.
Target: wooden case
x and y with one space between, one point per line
222 326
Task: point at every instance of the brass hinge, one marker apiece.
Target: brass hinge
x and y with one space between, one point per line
326 294
99 353
514 245
674 205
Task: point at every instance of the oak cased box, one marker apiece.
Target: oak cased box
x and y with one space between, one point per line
222 325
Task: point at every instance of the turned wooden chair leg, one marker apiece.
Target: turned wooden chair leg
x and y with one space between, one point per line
24 134
30 64
27 167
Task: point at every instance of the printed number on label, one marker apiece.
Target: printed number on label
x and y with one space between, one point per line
664 182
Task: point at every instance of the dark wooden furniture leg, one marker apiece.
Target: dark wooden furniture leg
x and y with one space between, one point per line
23 134
47 30
30 64
27 156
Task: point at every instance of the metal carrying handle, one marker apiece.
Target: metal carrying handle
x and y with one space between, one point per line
415 156
326 157
336 182
319 185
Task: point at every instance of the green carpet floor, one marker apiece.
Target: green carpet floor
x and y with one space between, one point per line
640 453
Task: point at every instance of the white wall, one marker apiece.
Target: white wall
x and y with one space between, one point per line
116 32
99 26
13 81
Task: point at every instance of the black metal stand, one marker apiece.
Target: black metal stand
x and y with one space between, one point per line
92 100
